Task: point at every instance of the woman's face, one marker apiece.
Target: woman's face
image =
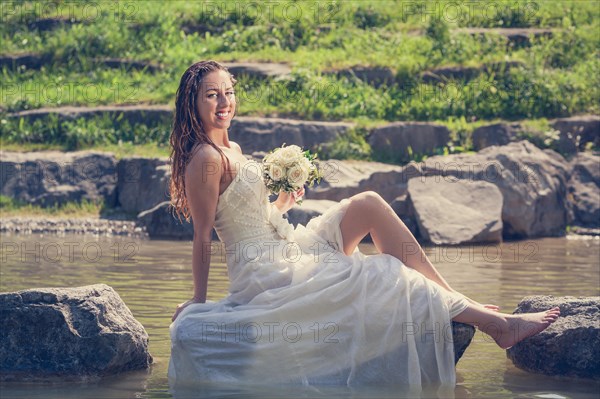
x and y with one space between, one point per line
216 101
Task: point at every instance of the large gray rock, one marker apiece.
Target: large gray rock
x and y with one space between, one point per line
570 346
402 141
584 190
496 134
462 334
446 73
405 211
52 177
301 214
375 76
344 178
161 222
576 132
142 183
69 333
264 134
533 185
453 211
261 70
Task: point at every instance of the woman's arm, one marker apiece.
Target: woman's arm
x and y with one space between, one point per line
202 178
200 265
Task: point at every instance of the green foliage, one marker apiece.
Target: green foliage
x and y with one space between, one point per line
438 32
560 76
568 48
81 133
366 18
351 144
13 207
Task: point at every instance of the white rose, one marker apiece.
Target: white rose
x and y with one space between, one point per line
276 172
297 175
290 155
281 158
305 163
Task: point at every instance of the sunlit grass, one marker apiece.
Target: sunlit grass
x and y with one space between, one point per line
10 207
560 78
124 150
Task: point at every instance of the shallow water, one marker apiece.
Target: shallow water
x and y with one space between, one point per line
153 276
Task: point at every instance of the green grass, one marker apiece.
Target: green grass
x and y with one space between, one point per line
560 77
10 207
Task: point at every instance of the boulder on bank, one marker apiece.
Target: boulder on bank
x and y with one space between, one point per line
570 346
447 73
576 132
264 134
533 185
159 222
445 213
344 178
260 70
301 214
52 177
375 76
142 183
496 134
402 141
405 211
584 190
69 333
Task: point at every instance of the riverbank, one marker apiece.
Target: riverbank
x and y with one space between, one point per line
129 228
74 225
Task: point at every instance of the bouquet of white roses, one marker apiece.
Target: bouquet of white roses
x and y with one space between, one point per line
289 169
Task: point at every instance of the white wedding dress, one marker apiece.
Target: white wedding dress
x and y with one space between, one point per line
301 312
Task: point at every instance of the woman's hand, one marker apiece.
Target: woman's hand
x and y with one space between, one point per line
285 201
183 305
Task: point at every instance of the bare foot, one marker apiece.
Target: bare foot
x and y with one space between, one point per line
520 326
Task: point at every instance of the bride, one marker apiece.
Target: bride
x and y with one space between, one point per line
305 305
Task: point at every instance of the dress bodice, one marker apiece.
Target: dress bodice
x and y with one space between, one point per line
243 209
251 227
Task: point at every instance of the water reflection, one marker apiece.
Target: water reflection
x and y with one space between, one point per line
153 276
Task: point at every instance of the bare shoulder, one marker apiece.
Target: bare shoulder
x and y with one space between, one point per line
236 146
203 157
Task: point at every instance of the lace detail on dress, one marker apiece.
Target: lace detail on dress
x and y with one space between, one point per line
244 211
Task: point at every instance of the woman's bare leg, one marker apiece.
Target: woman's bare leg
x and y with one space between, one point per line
368 213
507 329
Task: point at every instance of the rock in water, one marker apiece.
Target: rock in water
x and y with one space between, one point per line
570 346
462 334
69 333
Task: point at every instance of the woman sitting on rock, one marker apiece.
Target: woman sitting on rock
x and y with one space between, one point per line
306 307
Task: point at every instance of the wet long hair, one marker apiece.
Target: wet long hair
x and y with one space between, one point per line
187 132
